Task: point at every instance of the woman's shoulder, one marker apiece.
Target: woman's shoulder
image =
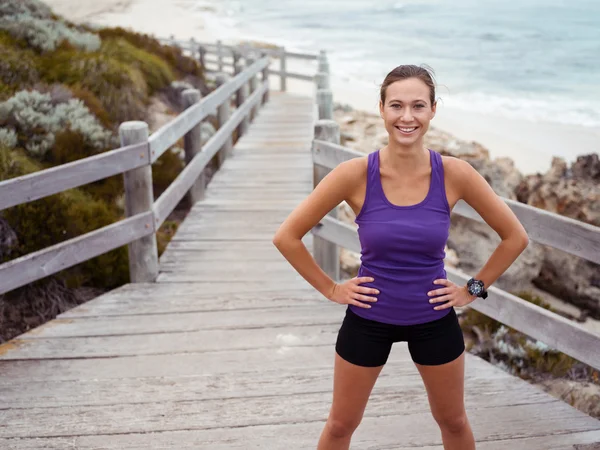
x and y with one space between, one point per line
355 167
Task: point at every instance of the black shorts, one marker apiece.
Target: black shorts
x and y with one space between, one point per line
368 343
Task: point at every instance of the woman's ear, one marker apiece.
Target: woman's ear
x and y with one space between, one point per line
433 110
380 109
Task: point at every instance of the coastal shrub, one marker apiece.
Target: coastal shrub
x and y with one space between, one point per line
46 35
63 216
121 89
156 72
181 64
165 170
8 138
33 8
36 121
18 66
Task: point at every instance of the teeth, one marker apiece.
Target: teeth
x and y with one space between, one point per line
407 130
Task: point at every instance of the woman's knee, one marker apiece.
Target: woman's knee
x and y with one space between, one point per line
452 423
342 428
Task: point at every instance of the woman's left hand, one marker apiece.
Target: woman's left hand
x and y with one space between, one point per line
452 294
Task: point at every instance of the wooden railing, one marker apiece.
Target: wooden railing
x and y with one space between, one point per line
219 57
571 236
133 159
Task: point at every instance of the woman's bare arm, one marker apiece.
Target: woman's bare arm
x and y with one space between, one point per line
330 192
476 191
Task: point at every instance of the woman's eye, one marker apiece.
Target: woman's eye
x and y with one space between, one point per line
419 106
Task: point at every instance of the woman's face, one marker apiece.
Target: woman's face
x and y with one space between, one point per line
407 111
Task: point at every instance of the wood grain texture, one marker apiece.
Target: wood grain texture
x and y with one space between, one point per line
50 181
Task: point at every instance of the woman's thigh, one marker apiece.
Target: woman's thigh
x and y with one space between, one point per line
352 386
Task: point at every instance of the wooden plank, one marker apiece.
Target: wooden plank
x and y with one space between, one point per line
299 320
57 179
50 260
204 386
167 135
299 435
550 328
229 412
202 301
510 421
571 236
165 204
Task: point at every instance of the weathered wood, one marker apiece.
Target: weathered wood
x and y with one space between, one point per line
50 181
563 233
40 264
241 96
253 84
539 323
230 412
143 252
326 253
325 104
193 146
265 79
301 434
397 378
168 134
220 55
322 81
173 194
283 70
223 114
297 76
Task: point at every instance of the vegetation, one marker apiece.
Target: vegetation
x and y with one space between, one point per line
64 90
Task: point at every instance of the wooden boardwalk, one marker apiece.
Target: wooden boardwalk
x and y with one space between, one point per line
231 349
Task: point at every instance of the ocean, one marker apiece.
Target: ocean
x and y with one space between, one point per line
535 60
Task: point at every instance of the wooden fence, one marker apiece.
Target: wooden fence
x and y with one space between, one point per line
133 159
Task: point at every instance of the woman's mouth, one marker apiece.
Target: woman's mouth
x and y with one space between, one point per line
407 131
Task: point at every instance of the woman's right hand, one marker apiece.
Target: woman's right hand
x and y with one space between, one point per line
350 292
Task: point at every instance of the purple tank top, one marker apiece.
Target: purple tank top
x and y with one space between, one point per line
403 249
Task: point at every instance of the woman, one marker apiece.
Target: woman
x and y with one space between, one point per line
402 195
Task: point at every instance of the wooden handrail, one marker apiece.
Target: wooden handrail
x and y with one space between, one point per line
16 191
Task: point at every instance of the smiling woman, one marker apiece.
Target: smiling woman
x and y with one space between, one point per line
403 195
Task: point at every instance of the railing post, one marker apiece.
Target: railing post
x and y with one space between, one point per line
282 58
236 58
323 63
223 113
322 80
220 56
143 253
327 254
240 98
193 48
202 54
265 77
253 84
192 144
325 103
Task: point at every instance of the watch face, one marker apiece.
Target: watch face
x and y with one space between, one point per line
475 289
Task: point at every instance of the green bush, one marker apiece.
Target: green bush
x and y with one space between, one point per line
57 218
181 64
18 67
156 72
120 88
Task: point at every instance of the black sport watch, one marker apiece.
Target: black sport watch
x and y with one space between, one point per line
475 287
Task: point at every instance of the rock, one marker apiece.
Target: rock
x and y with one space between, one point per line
474 242
571 192
571 278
